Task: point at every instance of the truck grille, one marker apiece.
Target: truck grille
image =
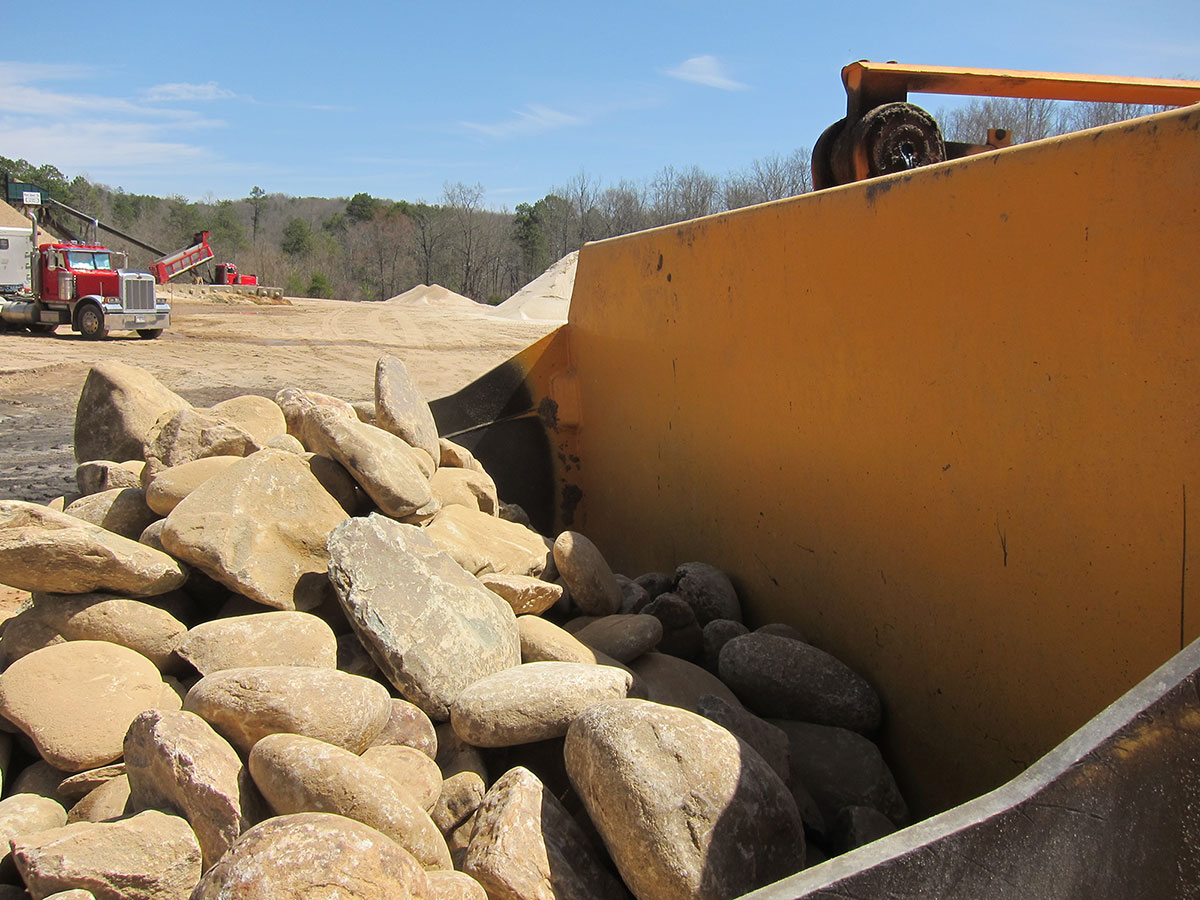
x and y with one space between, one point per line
137 292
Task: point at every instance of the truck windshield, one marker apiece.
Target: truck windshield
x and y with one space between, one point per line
89 260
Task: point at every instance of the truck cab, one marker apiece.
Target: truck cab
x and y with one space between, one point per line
88 287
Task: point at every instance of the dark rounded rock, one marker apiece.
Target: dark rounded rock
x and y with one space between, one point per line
681 632
715 635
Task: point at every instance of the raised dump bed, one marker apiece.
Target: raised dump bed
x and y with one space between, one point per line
945 422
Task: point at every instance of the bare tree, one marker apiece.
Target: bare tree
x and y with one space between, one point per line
464 208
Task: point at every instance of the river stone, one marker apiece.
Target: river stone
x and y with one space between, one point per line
339 483
170 486
655 583
708 591
176 761
287 442
297 404
260 528
459 797
25 632
189 434
247 704
143 627
104 803
782 629
782 678
22 814
408 726
122 511
633 595
410 768
275 638
314 855
117 409
76 787
684 807
586 574
44 550
533 701
299 774
526 846
465 487
481 543
524 593
401 408
433 628
76 700
768 740
380 462
99 475
73 894
715 635
842 768
543 641
623 637
456 455
456 755
455 886
259 417
149 856
43 779
677 682
682 636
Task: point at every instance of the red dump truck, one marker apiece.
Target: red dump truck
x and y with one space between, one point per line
88 287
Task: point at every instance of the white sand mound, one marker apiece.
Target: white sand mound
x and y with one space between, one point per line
545 299
436 295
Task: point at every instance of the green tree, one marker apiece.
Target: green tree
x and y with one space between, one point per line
258 202
362 208
319 286
184 219
227 229
530 235
297 238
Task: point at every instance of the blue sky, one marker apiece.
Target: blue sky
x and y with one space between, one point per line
397 99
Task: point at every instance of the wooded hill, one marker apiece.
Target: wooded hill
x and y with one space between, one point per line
368 248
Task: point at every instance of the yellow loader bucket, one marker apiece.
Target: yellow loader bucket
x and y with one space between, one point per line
946 422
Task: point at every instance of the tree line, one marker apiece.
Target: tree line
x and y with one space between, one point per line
371 248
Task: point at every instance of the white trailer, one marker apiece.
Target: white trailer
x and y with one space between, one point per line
16 245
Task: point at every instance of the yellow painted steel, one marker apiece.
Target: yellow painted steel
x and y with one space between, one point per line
945 422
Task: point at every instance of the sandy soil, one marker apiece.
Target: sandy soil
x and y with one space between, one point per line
217 350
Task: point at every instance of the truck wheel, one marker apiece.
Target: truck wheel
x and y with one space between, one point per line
90 321
149 334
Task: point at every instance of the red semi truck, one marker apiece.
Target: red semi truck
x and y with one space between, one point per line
87 287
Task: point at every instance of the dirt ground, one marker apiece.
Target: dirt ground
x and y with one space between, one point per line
216 350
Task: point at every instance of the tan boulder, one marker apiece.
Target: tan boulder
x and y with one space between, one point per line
411 769
297 404
273 638
407 726
586 574
170 486
150 856
455 886
533 701
623 637
189 434
122 511
684 807
247 704
286 856
117 409
76 700
44 550
175 760
287 442
380 462
401 408
457 456
103 803
458 799
43 779
339 483
481 543
98 475
465 487
526 846
677 682
260 529
22 814
524 593
147 629
299 774
259 417
78 786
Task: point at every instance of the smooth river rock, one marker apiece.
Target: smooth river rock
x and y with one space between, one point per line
482 543
432 627
117 409
245 705
274 638
685 808
587 574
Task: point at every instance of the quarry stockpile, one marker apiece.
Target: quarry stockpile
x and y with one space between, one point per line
274 645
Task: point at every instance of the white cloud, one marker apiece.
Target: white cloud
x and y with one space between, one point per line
94 145
706 70
533 119
184 91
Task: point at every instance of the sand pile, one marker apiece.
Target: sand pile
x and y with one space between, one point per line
545 299
436 295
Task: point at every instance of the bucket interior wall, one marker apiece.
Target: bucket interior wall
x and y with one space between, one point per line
945 422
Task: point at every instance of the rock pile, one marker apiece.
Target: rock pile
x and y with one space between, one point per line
276 645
